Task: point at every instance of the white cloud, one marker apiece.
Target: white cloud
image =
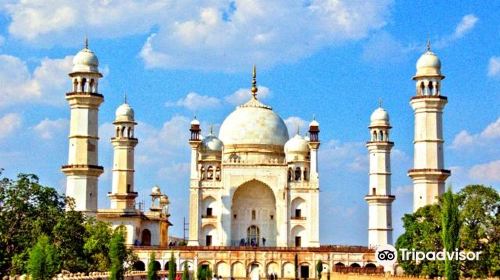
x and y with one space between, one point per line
293 123
216 36
9 123
337 156
494 67
47 128
488 171
242 95
383 48
489 135
66 22
46 84
223 35
174 171
403 190
194 101
466 25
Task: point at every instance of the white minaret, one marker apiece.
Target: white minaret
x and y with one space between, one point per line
379 196
194 189
83 170
123 195
428 173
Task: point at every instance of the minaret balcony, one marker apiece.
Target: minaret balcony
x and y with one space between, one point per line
300 218
75 93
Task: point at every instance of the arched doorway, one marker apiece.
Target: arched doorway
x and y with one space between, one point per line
253 210
146 237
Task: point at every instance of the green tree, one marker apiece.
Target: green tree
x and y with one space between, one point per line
152 267
69 237
96 244
422 233
185 272
172 268
209 273
201 273
319 268
480 231
27 211
450 231
43 261
117 255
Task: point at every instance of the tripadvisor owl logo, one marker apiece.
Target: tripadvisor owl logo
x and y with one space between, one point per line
386 255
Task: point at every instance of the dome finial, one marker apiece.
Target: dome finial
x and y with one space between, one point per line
428 46
254 82
380 102
86 42
125 98
298 129
211 129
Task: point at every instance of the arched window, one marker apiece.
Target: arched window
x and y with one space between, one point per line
91 85
306 174
431 88
210 173
117 131
202 172
146 237
422 88
84 83
297 174
217 173
129 132
139 266
290 174
123 131
75 85
253 235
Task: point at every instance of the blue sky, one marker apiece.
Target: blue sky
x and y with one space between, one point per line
332 59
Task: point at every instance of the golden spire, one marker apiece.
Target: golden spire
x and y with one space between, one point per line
254 82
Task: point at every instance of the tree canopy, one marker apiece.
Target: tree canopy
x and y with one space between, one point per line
31 213
479 231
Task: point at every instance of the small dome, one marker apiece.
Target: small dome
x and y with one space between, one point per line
428 65
211 144
85 61
155 190
195 122
297 144
314 123
124 112
379 116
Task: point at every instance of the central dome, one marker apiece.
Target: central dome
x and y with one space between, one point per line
253 123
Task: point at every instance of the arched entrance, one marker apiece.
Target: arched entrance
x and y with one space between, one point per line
253 212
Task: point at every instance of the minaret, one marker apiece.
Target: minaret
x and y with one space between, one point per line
314 146
379 196
194 191
428 173
83 170
123 195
